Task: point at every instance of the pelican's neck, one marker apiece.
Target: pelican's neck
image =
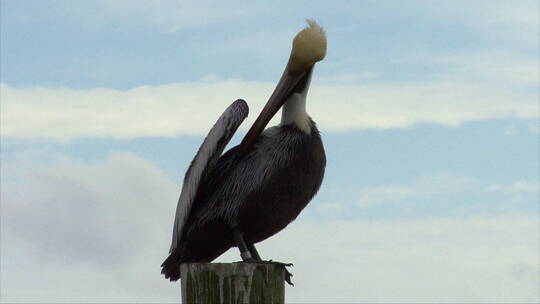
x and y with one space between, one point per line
294 112
294 109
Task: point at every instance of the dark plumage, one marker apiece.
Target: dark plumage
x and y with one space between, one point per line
257 188
235 193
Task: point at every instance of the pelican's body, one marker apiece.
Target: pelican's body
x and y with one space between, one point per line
260 192
255 189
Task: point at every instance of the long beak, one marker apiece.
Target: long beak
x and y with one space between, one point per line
287 85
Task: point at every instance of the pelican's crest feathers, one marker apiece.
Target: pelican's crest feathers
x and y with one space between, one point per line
309 46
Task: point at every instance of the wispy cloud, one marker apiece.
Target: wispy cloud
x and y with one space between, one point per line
534 126
170 15
516 187
425 187
495 66
426 196
191 108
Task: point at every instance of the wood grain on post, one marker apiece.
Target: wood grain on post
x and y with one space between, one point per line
228 283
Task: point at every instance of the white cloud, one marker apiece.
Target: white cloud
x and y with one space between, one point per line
433 195
495 66
72 228
81 232
516 187
191 108
424 187
87 200
431 260
170 15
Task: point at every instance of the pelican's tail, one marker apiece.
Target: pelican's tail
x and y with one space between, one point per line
171 266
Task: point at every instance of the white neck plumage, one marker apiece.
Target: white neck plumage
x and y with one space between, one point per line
294 110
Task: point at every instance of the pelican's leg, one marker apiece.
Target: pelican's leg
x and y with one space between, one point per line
250 254
253 251
241 244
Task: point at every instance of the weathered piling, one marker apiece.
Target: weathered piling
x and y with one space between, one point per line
228 283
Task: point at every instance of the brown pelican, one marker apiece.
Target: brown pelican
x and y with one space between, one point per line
257 188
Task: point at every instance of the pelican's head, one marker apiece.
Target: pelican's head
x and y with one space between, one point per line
309 46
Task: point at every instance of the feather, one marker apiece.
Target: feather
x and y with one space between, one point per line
203 162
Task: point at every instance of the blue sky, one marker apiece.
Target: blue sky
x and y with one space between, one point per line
429 113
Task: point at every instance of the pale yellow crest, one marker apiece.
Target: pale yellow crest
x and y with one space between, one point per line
309 46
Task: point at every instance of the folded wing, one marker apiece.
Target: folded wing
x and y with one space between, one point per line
205 159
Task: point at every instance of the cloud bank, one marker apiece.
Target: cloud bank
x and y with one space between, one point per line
191 108
70 228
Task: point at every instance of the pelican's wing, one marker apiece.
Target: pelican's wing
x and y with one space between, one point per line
205 159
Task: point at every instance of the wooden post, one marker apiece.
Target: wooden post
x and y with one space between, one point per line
228 283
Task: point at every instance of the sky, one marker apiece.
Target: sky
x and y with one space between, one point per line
429 113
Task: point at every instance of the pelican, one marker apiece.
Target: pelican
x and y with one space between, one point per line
258 187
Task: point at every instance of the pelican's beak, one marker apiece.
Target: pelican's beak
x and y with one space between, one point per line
288 84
